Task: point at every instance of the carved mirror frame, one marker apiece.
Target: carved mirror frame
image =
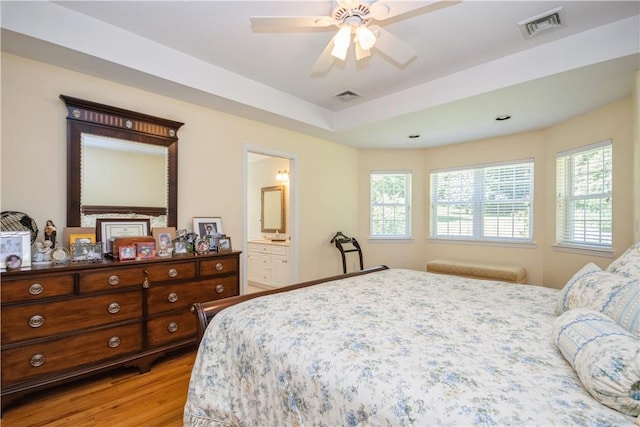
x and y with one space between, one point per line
112 122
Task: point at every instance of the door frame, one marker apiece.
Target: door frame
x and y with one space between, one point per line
294 232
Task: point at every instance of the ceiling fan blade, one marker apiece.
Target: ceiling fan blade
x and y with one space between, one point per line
325 60
392 46
348 4
387 9
292 21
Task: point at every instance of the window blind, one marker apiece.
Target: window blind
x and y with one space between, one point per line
584 180
490 202
390 204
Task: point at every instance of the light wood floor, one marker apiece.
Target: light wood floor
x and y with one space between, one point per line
119 398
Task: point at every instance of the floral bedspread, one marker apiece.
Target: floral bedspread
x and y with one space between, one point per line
395 348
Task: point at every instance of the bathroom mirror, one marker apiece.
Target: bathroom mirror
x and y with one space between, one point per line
272 212
121 163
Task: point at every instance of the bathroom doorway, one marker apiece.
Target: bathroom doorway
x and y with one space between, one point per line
270 243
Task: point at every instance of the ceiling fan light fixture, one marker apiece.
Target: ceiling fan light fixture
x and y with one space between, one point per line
365 37
361 53
341 42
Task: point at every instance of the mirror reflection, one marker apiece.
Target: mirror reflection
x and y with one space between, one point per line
272 210
117 172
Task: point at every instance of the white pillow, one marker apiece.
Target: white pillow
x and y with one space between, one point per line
605 357
568 297
616 296
628 264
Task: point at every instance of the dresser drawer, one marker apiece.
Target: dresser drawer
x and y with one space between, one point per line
257 247
171 271
24 363
219 265
47 319
280 250
103 279
176 297
36 288
171 328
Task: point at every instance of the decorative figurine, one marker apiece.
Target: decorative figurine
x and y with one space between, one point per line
42 254
50 232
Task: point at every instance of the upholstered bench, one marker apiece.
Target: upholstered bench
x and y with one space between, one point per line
478 270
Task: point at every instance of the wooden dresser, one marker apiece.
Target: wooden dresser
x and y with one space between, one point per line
63 322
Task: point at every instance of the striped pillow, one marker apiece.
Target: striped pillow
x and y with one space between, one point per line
616 296
605 357
627 264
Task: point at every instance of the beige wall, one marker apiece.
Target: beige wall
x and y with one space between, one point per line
615 122
211 156
544 264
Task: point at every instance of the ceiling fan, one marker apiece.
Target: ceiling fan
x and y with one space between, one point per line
354 17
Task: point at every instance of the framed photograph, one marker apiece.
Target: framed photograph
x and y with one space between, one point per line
146 250
107 228
60 255
201 246
127 252
13 262
15 243
207 228
164 235
68 231
180 247
84 238
224 244
84 251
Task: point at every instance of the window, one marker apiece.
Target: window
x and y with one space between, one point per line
391 205
583 188
490 202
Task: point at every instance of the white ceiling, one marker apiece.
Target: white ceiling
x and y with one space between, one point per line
473 63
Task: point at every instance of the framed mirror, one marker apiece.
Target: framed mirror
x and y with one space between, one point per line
272 210
121 163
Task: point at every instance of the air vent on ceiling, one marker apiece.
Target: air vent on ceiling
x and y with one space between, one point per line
347 95
544 22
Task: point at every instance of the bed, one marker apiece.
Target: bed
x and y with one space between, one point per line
411 348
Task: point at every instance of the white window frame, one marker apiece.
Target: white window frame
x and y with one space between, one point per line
566 196
477 205
405 206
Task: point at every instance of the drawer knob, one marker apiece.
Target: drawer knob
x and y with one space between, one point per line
172 327
36 321
113 280
219 266
219 289
173 297
36 289
114 342
173 273
37 360
113 308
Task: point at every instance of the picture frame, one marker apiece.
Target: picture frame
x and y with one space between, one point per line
15 243
224 244
68 231
106 228
164 235
127 252
146 250
207 228
81 238
83 251
180 247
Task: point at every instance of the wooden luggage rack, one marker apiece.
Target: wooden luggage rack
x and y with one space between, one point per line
352 246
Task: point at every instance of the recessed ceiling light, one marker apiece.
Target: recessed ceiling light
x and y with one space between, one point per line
503 117
414 136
